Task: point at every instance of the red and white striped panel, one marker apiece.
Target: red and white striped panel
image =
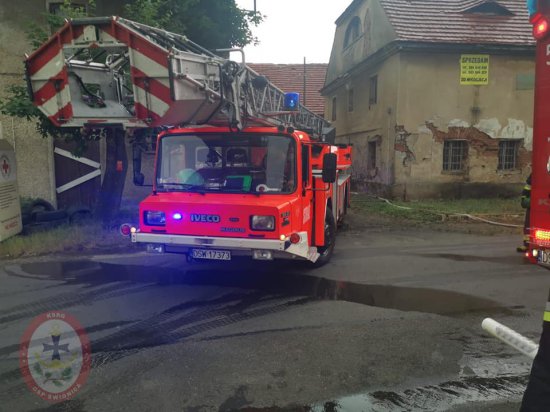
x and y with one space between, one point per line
149 72
49 77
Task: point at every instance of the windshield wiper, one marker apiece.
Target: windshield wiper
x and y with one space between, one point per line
188 187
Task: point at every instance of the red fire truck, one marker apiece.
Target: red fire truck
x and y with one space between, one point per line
539 238
241 168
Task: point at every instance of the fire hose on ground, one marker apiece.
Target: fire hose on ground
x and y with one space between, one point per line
437 212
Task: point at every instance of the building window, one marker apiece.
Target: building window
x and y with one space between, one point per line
333 117
371 156
352 32
350 100
373 90
455 153
508 154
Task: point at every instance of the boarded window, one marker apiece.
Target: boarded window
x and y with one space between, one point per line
350 100
525 81
352 31
371 155
508 154
373 90
333 117
455 153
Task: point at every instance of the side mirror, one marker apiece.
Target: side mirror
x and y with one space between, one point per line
329 167
139 178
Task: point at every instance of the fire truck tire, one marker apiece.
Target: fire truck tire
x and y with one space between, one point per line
330 240
37 206
49 216
40 205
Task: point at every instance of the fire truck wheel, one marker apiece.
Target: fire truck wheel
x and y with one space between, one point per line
37 206
50 216
330 240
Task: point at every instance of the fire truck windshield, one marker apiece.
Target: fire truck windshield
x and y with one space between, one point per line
228 163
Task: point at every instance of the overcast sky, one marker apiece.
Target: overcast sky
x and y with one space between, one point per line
294 29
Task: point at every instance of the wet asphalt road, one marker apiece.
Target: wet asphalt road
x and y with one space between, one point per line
391 324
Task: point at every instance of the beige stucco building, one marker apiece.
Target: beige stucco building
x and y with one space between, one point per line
435 96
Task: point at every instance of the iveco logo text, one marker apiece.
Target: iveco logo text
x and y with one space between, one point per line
195 217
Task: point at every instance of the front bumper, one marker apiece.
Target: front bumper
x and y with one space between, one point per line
182 244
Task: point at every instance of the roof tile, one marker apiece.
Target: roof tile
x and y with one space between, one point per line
449 21
290 78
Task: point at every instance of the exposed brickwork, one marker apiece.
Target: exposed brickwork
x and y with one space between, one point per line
402 145
478 140
481 142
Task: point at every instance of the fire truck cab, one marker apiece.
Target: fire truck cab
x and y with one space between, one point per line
262 192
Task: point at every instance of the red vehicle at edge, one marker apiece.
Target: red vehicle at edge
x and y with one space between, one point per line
539 238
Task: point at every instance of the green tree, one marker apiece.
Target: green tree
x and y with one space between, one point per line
18 104
211 23
214 24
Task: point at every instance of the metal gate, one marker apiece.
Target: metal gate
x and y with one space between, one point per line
78 179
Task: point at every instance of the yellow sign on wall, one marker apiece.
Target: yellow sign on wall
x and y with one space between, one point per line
474 69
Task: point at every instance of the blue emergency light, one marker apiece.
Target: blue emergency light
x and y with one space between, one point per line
292 101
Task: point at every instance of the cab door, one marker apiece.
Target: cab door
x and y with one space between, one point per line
305 186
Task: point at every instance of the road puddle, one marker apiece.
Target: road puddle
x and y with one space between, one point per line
438 397
510 259
269 279
242 292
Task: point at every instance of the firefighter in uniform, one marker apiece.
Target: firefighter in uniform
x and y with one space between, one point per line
537 395
526 204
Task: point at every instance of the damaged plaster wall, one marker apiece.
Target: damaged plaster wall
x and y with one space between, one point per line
368 126
433 107
420 154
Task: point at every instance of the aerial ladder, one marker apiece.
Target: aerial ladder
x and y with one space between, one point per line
241 168
107 71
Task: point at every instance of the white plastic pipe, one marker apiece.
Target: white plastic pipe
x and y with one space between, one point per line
510 337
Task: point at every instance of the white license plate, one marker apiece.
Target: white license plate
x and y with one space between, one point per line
544 257
211 254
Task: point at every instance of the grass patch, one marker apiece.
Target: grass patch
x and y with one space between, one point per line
63 239
434 210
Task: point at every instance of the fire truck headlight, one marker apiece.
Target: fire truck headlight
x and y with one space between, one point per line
262 223
154 218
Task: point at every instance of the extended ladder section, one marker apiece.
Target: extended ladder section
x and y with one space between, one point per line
109 70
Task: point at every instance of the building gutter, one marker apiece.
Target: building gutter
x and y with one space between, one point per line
376 58
448 48
408 46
